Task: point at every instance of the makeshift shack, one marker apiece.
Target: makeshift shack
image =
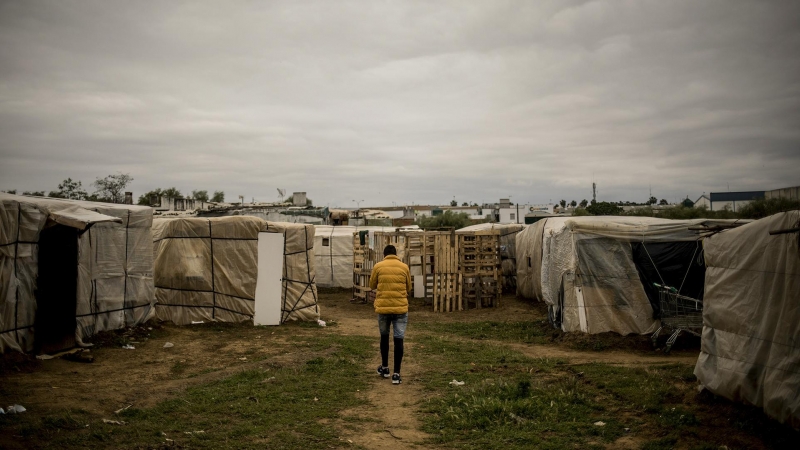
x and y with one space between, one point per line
70 269
596 274
206 269
507 249
750 350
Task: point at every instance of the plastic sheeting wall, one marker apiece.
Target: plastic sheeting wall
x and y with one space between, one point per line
206 269
115 265
115 271
334 262
529 261
750 348
588 276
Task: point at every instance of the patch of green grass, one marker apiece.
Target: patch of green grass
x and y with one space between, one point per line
248 409
513 401
508 400
641 389
528 331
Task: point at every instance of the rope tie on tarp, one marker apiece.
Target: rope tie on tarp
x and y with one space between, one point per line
213 291
206 291
294 308
16 275
213 288
93 298
200 237
18 242
125 292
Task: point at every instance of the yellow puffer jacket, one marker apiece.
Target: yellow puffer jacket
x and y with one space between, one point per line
393 282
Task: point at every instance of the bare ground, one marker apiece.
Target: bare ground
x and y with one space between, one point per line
146 376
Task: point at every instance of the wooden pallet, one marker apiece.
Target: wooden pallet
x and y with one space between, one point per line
362 269
460 270
479 265
447 281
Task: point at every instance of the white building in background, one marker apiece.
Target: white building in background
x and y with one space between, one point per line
733 201
507 213
703 202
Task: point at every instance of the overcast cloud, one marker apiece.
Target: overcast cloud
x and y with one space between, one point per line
403 101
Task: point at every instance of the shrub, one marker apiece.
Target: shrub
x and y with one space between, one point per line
758 209
604 209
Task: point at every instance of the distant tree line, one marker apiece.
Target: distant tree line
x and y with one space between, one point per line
447 219
756 209
146 198
111 189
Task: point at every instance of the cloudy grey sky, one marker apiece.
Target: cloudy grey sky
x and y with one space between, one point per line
403 101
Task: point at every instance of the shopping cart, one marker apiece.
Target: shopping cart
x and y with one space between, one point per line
678 312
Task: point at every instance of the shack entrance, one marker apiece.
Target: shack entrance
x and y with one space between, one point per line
56 289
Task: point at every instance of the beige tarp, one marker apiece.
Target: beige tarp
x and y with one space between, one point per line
529 261
508 249
750 347
115 265
588 277
333 253
206 269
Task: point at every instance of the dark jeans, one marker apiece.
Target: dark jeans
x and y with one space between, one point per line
398 323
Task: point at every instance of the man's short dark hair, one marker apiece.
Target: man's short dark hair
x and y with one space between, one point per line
389 250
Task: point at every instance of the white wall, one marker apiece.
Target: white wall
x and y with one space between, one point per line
731 205
394 214
512 215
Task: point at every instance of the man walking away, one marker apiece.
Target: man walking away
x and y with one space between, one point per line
392 280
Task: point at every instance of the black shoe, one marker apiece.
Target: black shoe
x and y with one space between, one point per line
383 371
395 378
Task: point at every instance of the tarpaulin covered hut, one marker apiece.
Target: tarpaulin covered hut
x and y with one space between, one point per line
750 349
597 273
69 269
206 268
529 260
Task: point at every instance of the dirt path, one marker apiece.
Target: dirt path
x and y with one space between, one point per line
396 408
392 411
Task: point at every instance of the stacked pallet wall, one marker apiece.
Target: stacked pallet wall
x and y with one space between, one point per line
479 266
459 270
446 276
362 268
